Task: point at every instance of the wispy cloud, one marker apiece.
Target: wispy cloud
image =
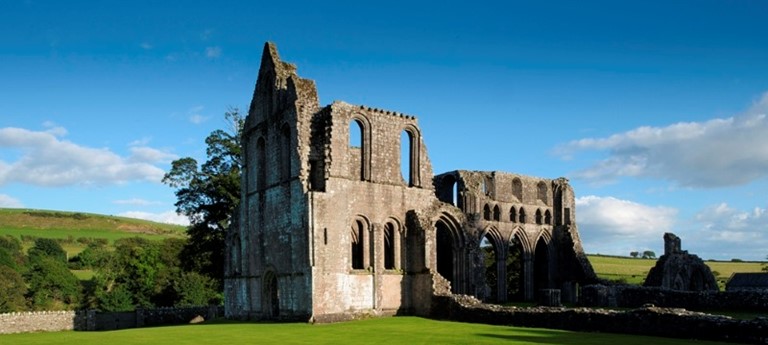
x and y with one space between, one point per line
195 115
48 160
716 153
136 202
169 217
212 52
10 202
614 226
146 46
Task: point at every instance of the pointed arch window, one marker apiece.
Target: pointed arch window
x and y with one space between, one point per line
512 214
487 212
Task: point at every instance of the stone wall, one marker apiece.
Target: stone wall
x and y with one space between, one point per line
630 296
91 320
44 321
651 321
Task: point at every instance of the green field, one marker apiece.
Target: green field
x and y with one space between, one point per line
73 225
634 271
393 330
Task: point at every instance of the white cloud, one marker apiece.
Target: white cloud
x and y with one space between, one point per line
145 46
197 119
9 202
613 226
715 153
136 202
212 52
722 223
169 217
47 160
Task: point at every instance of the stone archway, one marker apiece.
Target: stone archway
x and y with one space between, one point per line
445 252
270 296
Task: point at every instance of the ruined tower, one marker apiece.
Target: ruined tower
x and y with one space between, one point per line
340 216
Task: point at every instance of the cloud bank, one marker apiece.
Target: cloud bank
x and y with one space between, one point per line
715 153
614 226
45 159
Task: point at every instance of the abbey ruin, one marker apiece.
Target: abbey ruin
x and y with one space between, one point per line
329 228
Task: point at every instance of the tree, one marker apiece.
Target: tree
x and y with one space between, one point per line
634 254
209 195
12 290
648 254
51 284
48 247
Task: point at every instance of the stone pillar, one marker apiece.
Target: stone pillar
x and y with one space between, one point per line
528 277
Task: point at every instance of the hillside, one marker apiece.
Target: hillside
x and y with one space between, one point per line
73 225
634 271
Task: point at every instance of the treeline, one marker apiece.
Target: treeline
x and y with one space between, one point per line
134 272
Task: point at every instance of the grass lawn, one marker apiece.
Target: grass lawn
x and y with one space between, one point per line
394 330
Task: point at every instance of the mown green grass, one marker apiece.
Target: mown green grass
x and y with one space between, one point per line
395 330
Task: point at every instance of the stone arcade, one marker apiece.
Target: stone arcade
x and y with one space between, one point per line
329 228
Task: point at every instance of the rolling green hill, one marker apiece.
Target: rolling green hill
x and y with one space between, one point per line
71 227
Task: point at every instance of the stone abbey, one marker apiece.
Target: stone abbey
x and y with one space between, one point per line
330 229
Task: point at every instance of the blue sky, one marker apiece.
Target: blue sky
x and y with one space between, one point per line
655 110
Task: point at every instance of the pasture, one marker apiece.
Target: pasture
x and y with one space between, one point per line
392 330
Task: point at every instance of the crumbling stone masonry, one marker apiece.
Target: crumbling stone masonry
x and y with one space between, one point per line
678 270
330 229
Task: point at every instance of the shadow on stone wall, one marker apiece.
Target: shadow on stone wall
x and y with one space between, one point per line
651 321
631 296
92 320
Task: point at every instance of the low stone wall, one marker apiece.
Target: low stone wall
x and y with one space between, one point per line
91 320
630 296
45 321
652 321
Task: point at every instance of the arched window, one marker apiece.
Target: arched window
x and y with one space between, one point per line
538 217
547 217
285 152
512 214
409 156
487 212
521 215
517 189
261 165
358 245
357 148
496 213
389 246
541 192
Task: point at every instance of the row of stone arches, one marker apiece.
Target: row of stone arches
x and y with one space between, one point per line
514 267
363 249
517 215
360 138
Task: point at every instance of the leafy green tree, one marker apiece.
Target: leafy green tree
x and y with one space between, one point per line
209 195
51 284
194 289
648 254
11 253
92 257
12 289
634 254
48 247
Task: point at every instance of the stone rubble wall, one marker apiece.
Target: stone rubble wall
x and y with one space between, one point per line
629 296
650 321
91 320
44 321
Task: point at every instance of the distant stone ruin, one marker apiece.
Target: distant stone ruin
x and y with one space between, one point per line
678 270
342 217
